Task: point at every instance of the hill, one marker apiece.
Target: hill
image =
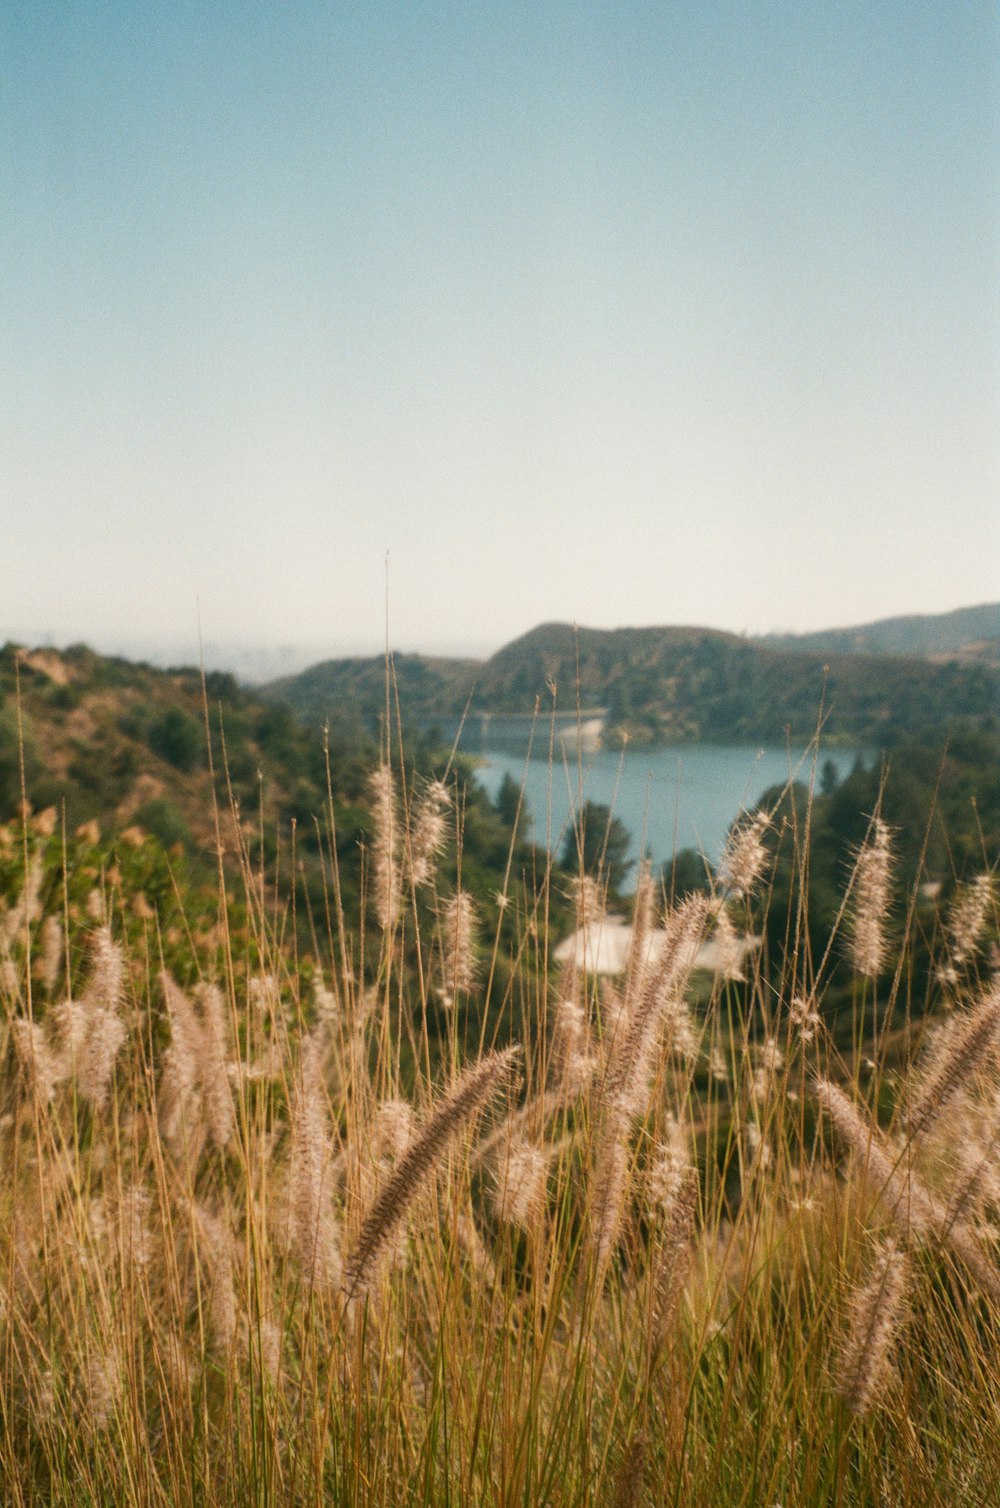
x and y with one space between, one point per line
354 689
121 749
665 684
970 634
124 745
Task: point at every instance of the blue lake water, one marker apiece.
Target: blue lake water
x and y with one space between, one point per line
669 797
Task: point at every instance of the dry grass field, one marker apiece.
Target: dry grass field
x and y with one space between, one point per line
288 1224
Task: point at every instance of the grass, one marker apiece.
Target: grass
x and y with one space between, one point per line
312 1230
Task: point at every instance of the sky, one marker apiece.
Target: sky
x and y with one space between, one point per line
471 317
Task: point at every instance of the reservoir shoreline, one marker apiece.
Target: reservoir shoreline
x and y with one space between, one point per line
670 797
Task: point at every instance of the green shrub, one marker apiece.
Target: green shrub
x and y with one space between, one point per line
165 821
178 738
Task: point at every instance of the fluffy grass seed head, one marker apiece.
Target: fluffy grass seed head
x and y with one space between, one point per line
393 1129
966 923
27 908
459 943
483 1081
135 1234
50 957
326 1005
106 1033
573 1060
969 1041
610 1184
667 1169
729 946
522 1176
180 1076
314 1226
746 856
217 1098
587 899
872 874
102 1389
914 1209
36 1060
673 1254
655 1009
105 985
264 997
215 1251
770 1062
876 1314
804 1016
643 917
382 790
429 831
99 1029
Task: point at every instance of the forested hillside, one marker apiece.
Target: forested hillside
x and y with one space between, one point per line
969 634
940 801
664 684
126 744
136 763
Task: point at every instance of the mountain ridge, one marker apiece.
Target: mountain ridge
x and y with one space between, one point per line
965 633
667 683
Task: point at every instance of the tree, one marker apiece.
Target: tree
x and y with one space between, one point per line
507 805
177 737
599 843
685 872
12 745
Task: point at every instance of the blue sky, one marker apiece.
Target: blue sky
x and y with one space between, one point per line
619 313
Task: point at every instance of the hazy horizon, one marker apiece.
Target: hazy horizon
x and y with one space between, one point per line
260 660
670 314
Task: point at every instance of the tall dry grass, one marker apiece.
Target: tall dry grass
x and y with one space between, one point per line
269 1240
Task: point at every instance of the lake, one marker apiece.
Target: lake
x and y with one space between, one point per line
669 797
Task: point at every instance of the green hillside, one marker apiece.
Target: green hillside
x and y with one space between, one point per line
969 634
125 745
665 684
355 689
119 752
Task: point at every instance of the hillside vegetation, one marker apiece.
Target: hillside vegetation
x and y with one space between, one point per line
940 800
969 634
126 744
666 684
148 771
